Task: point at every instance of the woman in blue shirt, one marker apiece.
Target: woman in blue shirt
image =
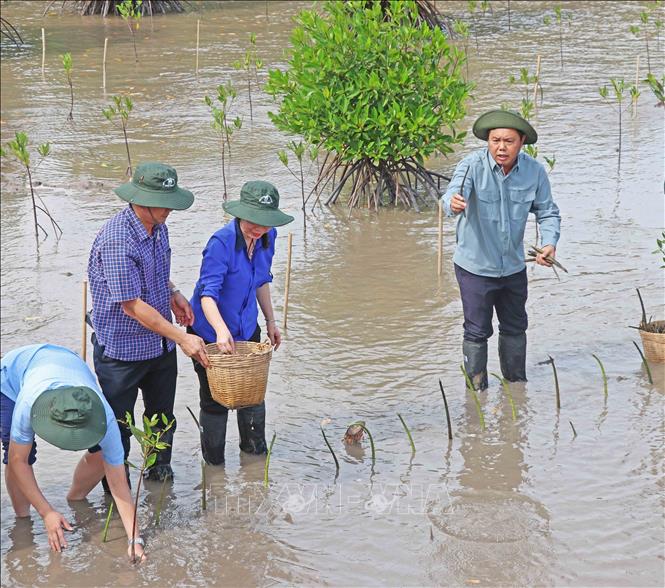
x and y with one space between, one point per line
234 281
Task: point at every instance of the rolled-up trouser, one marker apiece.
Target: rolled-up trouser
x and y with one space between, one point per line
213 418
481 295
120 382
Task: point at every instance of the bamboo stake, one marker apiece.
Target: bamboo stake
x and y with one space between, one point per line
535 84
440 236
43 49
198 30
288 279
84 328
106 42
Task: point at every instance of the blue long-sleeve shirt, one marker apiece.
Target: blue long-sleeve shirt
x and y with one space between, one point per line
231 279
490 231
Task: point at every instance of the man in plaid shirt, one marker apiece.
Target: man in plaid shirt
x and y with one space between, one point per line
132 300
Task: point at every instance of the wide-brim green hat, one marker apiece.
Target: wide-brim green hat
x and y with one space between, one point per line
504 119
156 185
69 417
258 204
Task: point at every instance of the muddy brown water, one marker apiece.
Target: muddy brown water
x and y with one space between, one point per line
371 326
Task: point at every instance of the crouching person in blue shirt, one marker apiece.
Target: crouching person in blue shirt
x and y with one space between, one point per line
49 391
235 276
492 192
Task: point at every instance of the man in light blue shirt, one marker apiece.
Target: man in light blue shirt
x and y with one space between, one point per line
493 190
50 391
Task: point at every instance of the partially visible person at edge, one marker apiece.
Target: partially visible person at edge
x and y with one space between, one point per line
235 275
132 300
495 189
48 390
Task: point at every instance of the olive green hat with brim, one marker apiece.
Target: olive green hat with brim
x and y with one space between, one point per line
258 204
504 119
156 185
69 417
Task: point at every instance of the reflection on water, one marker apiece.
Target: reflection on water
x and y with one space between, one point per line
371 326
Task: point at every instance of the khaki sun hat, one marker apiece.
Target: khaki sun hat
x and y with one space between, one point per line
69 417
258 204
156 185
504 119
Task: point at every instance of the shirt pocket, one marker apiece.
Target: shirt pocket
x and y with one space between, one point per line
489 203
521 200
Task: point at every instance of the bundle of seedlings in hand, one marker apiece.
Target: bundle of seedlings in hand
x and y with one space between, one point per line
535 251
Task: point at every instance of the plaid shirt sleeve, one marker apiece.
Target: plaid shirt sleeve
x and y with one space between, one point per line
214 267
121 269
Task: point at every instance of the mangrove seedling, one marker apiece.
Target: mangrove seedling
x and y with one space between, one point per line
67 66
19 148
636 30
618 87
573 428
226 94
461 29
473 5
529 81
251 65
298 149
150 442
556 382
657 87
108 521
361 425
660 250
266 480
558 17
408 434
602 371
121 107
380 91
645 362
329 446
470 387
506 389
550 162
131 12
445 404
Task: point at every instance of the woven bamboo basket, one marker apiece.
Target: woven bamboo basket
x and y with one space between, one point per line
654 344
239 380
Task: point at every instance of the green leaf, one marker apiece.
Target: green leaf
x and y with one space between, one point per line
151 460
283 157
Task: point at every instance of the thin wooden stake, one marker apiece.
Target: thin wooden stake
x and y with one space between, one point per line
84 327
106 42
288 279
198 30
535 84
43 49
439 266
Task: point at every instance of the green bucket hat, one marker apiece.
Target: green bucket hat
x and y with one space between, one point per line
69 417
156 185
258 204
503 119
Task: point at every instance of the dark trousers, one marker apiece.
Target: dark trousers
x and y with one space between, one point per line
120 382
213 418
481 295
6 412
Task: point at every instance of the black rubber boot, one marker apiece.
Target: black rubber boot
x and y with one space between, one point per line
213 436
475 363
512 357
162 469
251 426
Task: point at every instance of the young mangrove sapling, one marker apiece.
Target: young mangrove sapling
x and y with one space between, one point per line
226 94
150 442
67 65
251 65
19 148
618 87
121 107
131 12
